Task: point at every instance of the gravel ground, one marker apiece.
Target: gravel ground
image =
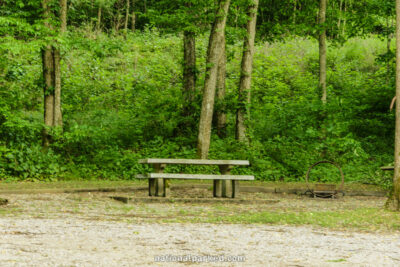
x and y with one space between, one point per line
79 242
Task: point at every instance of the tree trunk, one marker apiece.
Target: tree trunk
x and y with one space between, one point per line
127 16
221 113
245 75
57 70
210 81
396 176
63 15
344 19
52 74
294 11
133 16
322 49
57 88
117 21
48 77
98 25
340 17
189 66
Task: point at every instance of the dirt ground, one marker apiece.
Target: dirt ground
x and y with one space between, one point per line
91 229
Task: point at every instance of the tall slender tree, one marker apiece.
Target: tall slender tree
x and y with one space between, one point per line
52 72
210 82
221 114
396 176
133 16
322 49
245 75
126 16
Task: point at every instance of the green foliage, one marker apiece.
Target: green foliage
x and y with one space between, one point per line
122 101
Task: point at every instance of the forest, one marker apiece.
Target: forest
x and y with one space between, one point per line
88 87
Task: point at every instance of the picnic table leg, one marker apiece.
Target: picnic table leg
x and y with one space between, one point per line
217 189
235 188
159 182
152 187
227 187
166 187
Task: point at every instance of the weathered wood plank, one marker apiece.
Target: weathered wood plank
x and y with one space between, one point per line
388 168
194 176
195 161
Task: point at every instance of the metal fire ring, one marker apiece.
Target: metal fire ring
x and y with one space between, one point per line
329 162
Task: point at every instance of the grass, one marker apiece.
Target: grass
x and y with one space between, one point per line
365 219
356 213
82 184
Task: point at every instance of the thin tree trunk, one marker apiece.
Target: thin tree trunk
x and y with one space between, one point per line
117 21
127 16
322 49
57 89
294 11
63 15
57 70
396 176
48 76
340 17
98 25
388 39
245 76
189 69
221 113
133 16
210 81
344 18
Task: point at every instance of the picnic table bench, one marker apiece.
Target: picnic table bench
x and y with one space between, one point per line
224 184
387 168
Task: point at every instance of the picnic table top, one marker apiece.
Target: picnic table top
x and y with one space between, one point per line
195 161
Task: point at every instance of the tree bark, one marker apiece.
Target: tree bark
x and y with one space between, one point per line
344 19
98 24
396 176
245 76
210 81
63 15
57 119
221 77
322 49
127 16
189 66
133 17
340 17
294 11
48 77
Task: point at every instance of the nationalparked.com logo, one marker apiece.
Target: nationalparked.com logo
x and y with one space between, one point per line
198 258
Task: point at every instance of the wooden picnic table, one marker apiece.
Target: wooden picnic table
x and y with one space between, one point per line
224 184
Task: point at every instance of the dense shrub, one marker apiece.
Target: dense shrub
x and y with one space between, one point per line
122 100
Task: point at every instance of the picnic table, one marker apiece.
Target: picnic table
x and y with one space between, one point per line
224 184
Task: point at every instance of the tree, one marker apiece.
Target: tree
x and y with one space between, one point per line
133 17
322 49
210 82
52 72
126 16
246 70
221 84
396 176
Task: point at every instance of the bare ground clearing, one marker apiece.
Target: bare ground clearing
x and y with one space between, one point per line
88 229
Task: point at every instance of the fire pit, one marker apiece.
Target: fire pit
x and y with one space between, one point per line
324 190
